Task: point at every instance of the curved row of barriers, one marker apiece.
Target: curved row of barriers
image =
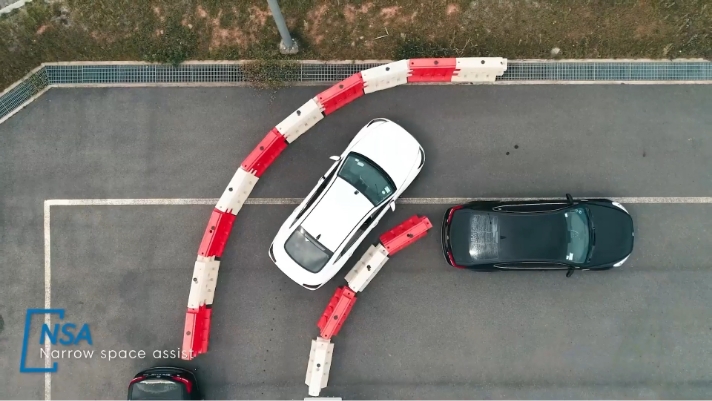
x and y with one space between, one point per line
202 291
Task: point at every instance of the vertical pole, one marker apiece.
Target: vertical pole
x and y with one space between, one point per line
288 45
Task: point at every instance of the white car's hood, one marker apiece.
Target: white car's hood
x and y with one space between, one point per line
392 148
337 214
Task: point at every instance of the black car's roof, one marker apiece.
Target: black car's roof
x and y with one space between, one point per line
481 236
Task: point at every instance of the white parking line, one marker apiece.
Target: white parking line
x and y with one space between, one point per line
274 201
402 201
47 298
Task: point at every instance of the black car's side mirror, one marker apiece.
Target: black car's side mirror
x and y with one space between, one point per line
570 199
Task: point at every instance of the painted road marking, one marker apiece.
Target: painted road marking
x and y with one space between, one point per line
274 201
402 201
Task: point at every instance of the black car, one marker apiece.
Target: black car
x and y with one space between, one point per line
164 383
585 234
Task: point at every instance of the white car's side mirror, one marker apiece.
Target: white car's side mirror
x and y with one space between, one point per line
335 158
393 206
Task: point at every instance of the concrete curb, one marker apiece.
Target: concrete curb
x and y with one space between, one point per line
195 73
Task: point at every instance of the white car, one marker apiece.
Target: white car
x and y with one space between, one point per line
322 233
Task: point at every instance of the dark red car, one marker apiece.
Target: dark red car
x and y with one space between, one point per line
164 383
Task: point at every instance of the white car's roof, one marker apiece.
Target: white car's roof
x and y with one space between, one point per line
392 148
337 214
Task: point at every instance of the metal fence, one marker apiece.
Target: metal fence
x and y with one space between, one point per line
234 72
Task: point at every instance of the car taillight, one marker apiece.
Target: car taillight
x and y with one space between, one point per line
186 382
452 260
452 211
136 380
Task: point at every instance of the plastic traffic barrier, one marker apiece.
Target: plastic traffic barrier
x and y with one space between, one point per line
216 234
479 69
431 69
265 153
196 333
385 76
320 355
202 288
367 267
405 234
301 120
336 312
197 320
242 183
237 192
341 93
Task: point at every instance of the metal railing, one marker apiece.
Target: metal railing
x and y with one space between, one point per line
227 73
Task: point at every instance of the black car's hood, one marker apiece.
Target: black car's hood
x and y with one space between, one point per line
614 235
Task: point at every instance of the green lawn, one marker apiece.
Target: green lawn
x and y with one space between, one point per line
175 30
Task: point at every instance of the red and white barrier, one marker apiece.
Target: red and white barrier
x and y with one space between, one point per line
341 93
482 69
320 355
301 120
385 76
217 233
344 297
461 69
264 154
200 301
336 312
367 267
237 192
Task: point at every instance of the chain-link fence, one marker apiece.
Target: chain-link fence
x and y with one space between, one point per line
230 73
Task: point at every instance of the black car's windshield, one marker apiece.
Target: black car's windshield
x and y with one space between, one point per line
157 389
367 178
307 251
478 237
579 235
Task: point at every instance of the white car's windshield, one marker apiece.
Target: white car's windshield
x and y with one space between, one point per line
307 251
367 178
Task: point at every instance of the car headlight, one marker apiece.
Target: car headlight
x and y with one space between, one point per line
618 205
621 262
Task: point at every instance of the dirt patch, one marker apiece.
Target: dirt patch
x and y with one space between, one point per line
390 12
313 25
259 16
157 11
351 13
226 36
200 12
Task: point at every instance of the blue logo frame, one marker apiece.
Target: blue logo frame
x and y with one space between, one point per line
26 338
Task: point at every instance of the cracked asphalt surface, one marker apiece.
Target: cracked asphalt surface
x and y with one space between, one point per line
421 329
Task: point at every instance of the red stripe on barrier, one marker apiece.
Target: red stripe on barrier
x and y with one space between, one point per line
196 333
431 69
405 234
216 234
341 94
265 153
336 312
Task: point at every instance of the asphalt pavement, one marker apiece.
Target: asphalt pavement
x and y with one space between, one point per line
421 329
